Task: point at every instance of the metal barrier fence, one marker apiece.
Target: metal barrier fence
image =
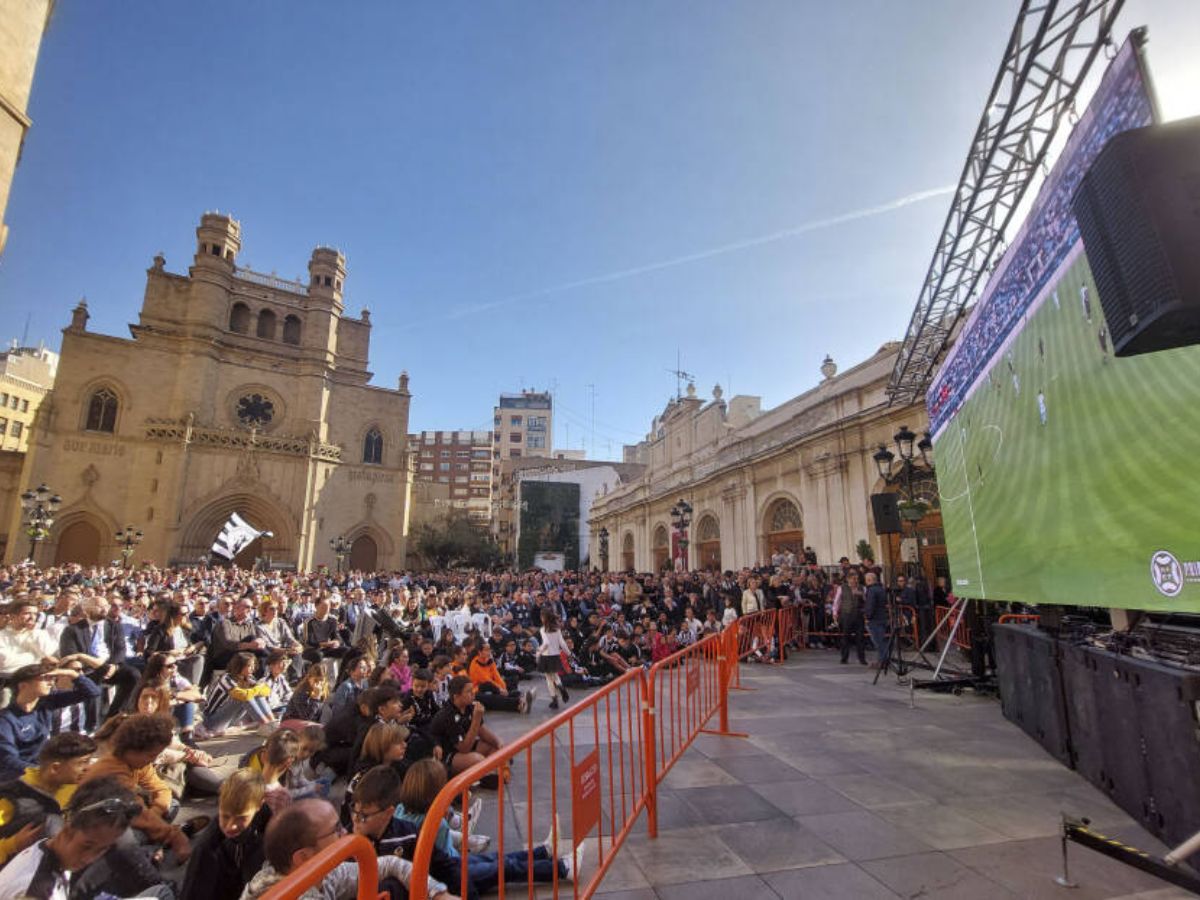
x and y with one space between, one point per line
1020 618
962 636
313 871
590 770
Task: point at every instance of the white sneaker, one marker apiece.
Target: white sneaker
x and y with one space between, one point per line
477 843
548 843
474 810
574 861
200 733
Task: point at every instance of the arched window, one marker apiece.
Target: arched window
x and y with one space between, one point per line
239 318
373 447
266 324
102 411
291 330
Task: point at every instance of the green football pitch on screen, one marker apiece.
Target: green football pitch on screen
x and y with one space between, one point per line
1073 476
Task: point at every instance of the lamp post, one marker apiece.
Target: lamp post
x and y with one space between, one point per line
128 538
341 549
681 518
38 509
604 549
909 450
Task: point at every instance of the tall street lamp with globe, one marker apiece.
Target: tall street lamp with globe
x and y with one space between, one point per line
38 509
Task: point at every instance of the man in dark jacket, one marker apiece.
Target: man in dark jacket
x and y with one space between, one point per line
876 612
25 723
102 641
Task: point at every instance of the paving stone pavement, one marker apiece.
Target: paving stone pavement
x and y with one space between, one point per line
842 792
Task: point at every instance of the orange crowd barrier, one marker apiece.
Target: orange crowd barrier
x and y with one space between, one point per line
962 637
584 767
1020 618
313 872
597 765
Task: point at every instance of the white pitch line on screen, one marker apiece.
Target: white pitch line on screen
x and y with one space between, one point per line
966 473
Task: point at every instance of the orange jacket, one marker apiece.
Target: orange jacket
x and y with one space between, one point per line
487 673
148 786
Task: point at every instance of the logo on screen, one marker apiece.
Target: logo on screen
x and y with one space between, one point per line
1166 573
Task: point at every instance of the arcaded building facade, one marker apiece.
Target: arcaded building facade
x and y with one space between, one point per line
761 481
236 392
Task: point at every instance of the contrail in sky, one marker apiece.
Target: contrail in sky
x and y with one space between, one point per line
621 274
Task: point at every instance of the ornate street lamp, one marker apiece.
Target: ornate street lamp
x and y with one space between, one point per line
604 549
38 508
128 538
341 549
909 449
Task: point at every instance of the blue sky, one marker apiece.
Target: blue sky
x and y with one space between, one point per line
549 195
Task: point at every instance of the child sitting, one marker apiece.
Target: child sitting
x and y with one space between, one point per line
229 851
235 697
31 806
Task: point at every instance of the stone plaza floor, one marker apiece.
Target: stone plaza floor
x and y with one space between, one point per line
844 792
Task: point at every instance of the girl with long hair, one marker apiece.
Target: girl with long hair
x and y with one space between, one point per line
549 657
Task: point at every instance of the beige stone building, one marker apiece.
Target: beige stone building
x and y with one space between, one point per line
22 24
758 481
236 392
26 375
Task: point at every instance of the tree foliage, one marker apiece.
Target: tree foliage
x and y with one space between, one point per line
456 542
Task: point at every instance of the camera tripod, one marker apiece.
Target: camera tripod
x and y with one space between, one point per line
893 656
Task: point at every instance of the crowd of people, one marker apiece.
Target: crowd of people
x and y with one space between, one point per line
367 691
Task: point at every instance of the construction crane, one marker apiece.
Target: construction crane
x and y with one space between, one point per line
1049 54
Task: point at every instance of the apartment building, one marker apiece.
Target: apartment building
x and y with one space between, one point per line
460 460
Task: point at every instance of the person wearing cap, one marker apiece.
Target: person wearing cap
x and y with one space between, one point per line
26 723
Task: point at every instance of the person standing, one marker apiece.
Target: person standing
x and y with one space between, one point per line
850 617
876 613
550 656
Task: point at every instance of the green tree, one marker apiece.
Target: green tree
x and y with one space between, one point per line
456 542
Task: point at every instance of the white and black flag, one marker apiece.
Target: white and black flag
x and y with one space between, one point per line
235 537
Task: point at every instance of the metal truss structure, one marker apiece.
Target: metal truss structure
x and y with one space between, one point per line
1050 52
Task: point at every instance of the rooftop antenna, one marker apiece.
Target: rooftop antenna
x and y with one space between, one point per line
592 442
25 333
680 376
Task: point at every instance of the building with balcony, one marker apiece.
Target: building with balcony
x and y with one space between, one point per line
460 460
764 481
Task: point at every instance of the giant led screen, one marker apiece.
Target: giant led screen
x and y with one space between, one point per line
1068 475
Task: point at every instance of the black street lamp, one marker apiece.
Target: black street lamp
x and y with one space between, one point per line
128 538
681 518
341 549
38 509
604 549
910 450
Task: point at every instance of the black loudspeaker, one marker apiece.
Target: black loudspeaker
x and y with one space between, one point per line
1138 209
1031 689
886 512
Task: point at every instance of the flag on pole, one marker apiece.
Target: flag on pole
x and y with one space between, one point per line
236 536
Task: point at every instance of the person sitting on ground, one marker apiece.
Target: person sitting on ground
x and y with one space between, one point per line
181 765
373 804
162 672
398 665
102 642
276 680
228 852
26 722
96 817
135 746
237 633
235 697
306 828
385 745
421 787
308 767
490 687
459 730
308 700
274 761
31 806
356 681
22 643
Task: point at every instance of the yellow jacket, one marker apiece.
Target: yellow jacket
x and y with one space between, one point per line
32 777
